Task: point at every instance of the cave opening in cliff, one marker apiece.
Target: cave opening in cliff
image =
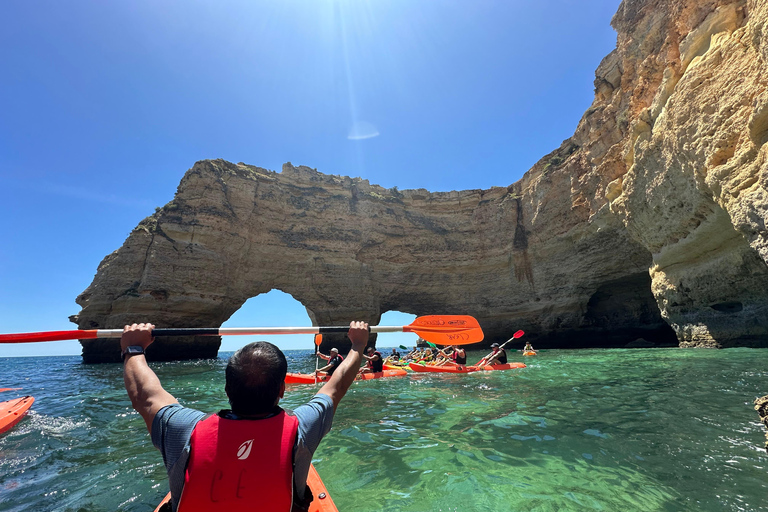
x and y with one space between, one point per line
624 313
272 309
396 339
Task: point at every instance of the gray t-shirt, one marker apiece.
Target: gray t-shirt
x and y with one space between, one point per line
173 425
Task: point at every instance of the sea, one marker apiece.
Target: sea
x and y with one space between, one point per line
610 430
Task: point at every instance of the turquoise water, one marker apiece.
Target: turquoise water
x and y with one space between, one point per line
663 429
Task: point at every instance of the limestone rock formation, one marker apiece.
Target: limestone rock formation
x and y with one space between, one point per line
649 223
694 189
347 249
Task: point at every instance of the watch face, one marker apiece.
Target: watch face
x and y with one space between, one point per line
133 349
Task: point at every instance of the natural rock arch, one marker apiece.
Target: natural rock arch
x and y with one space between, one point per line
346 249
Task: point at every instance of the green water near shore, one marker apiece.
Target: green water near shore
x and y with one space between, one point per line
663 429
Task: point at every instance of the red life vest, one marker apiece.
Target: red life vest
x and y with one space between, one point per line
240 465
378 365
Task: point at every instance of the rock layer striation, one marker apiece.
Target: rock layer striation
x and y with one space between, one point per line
648 223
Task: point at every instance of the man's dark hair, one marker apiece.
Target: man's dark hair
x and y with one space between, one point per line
254 375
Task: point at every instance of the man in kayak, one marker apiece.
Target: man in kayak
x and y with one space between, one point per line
334 360
498 356
457 356
375 363
528 347
209 457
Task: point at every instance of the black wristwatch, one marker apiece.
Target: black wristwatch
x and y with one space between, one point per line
133 349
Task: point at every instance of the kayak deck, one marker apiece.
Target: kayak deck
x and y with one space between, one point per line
450 368
396 366
12 411
308 378
506 366
422 368
322 501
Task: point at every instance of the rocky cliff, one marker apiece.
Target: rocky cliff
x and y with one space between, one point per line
648 223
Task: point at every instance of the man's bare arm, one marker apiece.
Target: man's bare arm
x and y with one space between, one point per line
345 374
144 389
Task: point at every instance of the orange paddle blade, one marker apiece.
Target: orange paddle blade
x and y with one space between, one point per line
318 339
447 329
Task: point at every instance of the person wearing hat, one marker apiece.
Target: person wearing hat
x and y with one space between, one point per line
498 356
334 360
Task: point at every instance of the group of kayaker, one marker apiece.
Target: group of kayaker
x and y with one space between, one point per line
453 354
373 358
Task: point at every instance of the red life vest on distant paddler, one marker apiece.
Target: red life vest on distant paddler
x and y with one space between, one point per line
240 465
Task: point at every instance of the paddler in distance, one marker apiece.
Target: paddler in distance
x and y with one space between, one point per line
498 356
375 363
457 355
334 360
255 456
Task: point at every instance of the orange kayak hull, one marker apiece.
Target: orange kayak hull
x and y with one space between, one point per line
422 368
449 368
308 378
12 411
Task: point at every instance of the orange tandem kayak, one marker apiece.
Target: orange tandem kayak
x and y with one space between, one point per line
448 368
12 411
425 368
308 378
322 502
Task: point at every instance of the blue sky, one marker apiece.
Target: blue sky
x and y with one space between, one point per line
105 105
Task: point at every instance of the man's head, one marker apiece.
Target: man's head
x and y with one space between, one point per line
495 347
255 378
370 351
334 352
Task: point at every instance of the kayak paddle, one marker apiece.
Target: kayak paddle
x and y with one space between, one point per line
442 329
318 341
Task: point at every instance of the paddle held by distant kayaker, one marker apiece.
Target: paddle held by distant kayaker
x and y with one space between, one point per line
255 456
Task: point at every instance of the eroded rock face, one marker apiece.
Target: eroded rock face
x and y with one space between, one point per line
694 191
652 215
